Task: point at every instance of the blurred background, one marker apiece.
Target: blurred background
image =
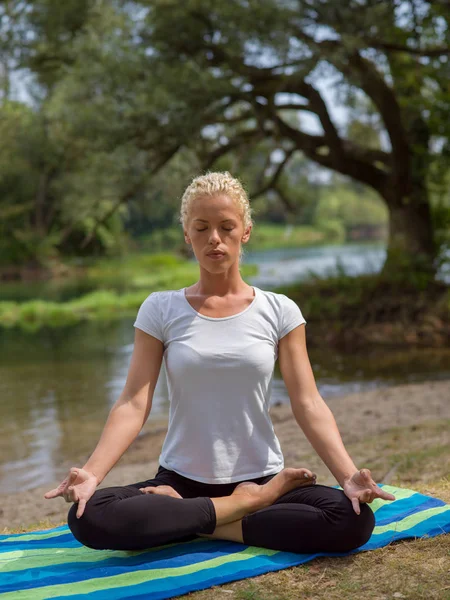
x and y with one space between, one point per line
334 115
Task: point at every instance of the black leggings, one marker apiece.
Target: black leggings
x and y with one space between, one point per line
314 518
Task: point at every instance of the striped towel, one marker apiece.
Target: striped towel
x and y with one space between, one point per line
52 564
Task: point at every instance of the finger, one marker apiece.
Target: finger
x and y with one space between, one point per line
385 495
365 496
71 479
355 505
75 494
367 475
81 505
69 494
53 493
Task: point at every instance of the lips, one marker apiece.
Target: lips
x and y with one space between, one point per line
216 253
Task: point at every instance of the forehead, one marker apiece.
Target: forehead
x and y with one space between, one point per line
219 206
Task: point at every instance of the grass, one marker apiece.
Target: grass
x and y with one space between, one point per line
416 457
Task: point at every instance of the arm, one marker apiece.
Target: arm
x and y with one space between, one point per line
318 423
309 409
124 422
130 412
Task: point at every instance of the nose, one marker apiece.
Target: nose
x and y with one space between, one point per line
214 237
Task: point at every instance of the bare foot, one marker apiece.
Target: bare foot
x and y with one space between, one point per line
162 490
286 480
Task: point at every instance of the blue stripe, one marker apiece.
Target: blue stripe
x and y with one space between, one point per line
431 527
73 572
164 588
63 541
37 532
406 507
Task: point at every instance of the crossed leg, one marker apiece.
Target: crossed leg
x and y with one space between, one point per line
124 518
307 519
289 517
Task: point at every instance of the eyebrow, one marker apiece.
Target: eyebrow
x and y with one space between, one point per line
204 220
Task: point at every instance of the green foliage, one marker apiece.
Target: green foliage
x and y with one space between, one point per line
120 286
333 229
129 101
265 236
162 239
350 207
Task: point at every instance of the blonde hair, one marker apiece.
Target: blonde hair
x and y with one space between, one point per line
216 182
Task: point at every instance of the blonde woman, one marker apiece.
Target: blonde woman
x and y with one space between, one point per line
221 469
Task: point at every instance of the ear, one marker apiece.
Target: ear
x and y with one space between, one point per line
246 235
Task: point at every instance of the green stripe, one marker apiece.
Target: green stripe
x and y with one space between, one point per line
29 559
34 536
411 520
400 494
134 578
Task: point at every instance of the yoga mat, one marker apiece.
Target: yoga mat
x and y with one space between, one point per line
52 564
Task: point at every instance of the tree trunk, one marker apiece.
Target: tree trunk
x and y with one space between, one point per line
411 248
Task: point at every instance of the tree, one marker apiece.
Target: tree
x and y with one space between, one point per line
267 60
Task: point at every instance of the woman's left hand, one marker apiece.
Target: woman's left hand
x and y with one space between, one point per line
360 487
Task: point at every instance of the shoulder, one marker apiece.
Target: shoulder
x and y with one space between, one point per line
158 296
288 314
155 300
277 300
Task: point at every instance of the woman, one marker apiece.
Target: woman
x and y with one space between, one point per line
221 473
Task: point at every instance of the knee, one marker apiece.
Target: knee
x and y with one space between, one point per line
85 529
357 529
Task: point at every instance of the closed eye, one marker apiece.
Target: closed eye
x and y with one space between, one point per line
225 228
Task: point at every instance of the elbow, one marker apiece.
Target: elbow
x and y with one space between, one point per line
310 409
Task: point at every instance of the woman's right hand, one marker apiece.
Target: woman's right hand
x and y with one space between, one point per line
78 486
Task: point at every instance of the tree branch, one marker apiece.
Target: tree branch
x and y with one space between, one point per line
240 139
390 47
317 149
272 183
363 72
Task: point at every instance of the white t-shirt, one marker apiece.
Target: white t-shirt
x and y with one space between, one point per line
219 378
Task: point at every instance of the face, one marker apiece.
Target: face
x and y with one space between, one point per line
215 223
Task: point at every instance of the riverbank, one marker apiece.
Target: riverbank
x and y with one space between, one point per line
171 240
402 433
368 310
342 311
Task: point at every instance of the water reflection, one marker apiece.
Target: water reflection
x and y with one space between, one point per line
286 265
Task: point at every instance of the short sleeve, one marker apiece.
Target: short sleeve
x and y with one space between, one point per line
148 318
290 316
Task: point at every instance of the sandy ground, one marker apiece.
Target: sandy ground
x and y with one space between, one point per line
359 416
